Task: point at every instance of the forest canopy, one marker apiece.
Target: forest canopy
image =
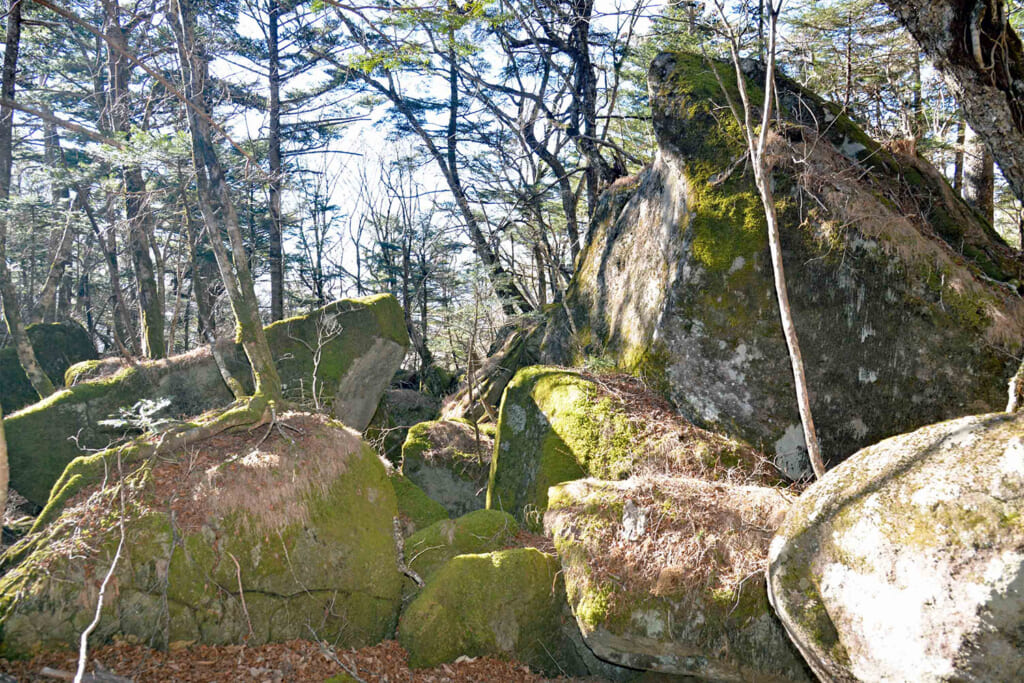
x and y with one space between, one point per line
449 153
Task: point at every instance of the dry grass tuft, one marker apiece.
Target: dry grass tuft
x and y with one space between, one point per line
269 481
698 535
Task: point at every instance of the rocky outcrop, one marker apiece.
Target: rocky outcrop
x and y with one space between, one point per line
904 299
905 562
666 574
451 461
237 540
506 603
58 346
340 357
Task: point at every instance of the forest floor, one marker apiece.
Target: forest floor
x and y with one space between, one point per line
296 661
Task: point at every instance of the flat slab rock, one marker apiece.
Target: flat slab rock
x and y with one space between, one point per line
906 562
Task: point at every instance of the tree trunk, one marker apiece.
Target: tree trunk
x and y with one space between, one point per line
981 59
47 308
958 157
5 470
218 210
151 310
276 170
979 175
26 356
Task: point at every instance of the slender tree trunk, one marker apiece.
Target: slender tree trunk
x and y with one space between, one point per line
218 210
276 169
47 308
979 175
5 470
12 314
151 310
757 146
958 159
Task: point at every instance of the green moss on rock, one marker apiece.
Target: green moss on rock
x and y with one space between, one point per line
481 531
504 604
302 529
553 427
451 461
416 509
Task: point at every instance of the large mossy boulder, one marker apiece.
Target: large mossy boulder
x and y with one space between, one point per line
666 574
505 604
556 425
906 562
451 461
905 300
359 344
58 346
237 539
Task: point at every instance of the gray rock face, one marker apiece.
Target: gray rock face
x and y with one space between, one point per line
894 283
665 574
360 344
445 459
906 562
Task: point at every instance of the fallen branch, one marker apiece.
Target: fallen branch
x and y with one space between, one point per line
83 645
400 554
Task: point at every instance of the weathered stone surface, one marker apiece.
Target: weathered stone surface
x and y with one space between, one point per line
892 280
905 562
451 462
361 343
666 574
506 604
58 346
232 541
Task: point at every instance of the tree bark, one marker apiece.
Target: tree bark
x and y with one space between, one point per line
981 59
5 470
979 175
276 170
12 314
218 210
151 310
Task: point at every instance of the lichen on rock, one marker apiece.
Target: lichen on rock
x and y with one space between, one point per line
905 561
666 574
